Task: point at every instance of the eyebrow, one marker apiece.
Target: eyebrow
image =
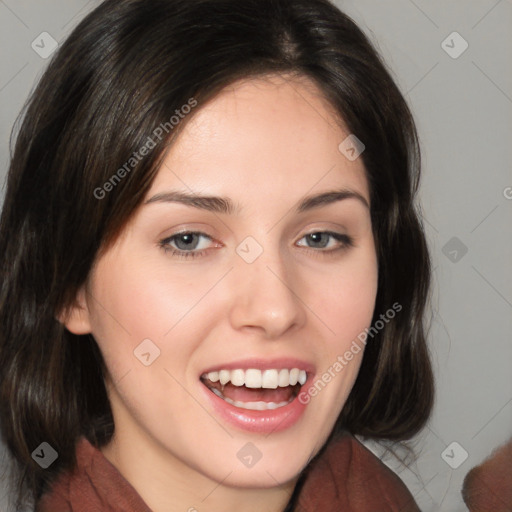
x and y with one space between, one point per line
218 204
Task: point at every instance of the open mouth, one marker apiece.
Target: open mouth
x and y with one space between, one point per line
255 389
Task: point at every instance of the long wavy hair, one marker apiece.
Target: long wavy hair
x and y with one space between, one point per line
125 70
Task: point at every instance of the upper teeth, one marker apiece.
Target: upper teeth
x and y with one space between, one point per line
254 378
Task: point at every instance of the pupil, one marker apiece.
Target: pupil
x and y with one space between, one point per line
317 238
185 240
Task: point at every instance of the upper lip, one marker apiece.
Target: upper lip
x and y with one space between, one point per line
263 364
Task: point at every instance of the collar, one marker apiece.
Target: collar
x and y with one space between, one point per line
344 477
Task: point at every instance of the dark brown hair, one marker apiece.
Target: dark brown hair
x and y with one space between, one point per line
125 70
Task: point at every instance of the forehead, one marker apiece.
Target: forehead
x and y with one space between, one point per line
262 135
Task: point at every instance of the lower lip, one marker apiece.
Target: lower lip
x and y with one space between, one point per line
267 422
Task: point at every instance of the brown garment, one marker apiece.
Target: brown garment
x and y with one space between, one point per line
346 477
488 487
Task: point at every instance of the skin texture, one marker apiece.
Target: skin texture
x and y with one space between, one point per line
266 144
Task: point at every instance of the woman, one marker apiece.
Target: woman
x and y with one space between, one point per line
214 270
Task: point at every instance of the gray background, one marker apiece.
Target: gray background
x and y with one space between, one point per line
463 108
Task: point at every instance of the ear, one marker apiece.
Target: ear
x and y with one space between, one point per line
76 318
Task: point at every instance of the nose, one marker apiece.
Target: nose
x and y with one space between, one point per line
266 296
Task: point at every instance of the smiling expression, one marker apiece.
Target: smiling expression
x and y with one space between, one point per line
250 267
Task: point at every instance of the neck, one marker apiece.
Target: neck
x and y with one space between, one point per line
168 485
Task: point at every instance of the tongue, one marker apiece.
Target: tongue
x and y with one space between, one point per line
243 394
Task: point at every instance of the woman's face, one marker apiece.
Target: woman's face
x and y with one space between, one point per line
270 284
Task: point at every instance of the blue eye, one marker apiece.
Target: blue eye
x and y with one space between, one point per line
322 238
193 244
185 244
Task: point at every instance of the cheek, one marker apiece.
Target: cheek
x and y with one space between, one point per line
142 300
139 299
346 308
128 305
347 301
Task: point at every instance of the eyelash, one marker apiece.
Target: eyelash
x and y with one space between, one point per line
345 240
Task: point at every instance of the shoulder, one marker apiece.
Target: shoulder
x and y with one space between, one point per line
95 484
488 486
348 476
